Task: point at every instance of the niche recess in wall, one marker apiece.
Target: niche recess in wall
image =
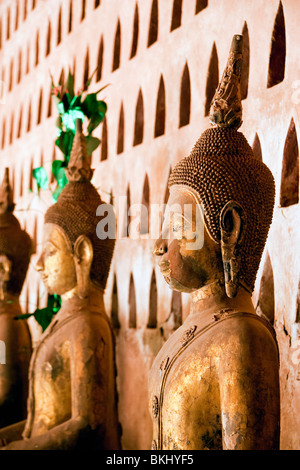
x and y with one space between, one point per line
20 123
289 188
139 120
29 118
176 14
298 305
160 115
11 75
145 210
117 48
3 133
127 218
212 78
59 27
100 60
278 50
39 116
49 110
25 10
176 308
120 143
153 26
256 147
132 303
70 25
185 98
19 67
17 15
114 314
104 140
30 185
152 319
83 10
266 300
200 5
37 48
11 135
8 25
86 68
246 62
28 59
48 43
135 35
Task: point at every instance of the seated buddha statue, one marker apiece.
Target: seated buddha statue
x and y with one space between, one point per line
15 253
72 400
215 382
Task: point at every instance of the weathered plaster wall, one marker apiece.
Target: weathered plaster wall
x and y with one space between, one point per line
183 58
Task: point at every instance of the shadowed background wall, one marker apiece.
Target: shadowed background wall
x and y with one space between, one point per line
162 60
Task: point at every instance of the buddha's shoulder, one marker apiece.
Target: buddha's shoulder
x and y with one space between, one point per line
243 324
84 322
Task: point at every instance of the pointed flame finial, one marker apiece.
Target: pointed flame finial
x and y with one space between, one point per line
6 195
79 168
226 107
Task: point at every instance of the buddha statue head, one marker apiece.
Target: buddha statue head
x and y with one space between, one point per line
15 244
73 257
235 192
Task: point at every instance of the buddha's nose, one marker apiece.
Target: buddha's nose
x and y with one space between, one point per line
160 247
40 264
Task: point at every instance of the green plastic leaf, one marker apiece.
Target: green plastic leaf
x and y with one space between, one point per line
91 144
25 316
64 142
69 118
56 193
60 108
58 170
41 177
76 102
62 179
70 85
95 120
66 101
90 105
44 316
56 166
102 107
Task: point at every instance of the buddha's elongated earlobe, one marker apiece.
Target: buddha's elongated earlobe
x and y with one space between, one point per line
231 227
83 257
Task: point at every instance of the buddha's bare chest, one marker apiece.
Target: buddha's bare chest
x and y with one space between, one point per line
184 397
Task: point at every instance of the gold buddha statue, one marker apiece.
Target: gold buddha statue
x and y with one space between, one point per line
72 391
215 383
15 252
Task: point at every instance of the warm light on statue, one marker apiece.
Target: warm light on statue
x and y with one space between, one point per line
72 391
215 383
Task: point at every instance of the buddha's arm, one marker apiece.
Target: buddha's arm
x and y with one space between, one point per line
89 381
249 388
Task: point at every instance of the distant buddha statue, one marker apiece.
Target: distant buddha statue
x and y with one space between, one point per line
215 382
72 384
15 252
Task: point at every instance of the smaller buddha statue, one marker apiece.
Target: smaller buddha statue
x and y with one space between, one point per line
72 379
15 253
215 383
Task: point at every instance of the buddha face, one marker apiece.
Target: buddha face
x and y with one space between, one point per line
188 257
56 263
